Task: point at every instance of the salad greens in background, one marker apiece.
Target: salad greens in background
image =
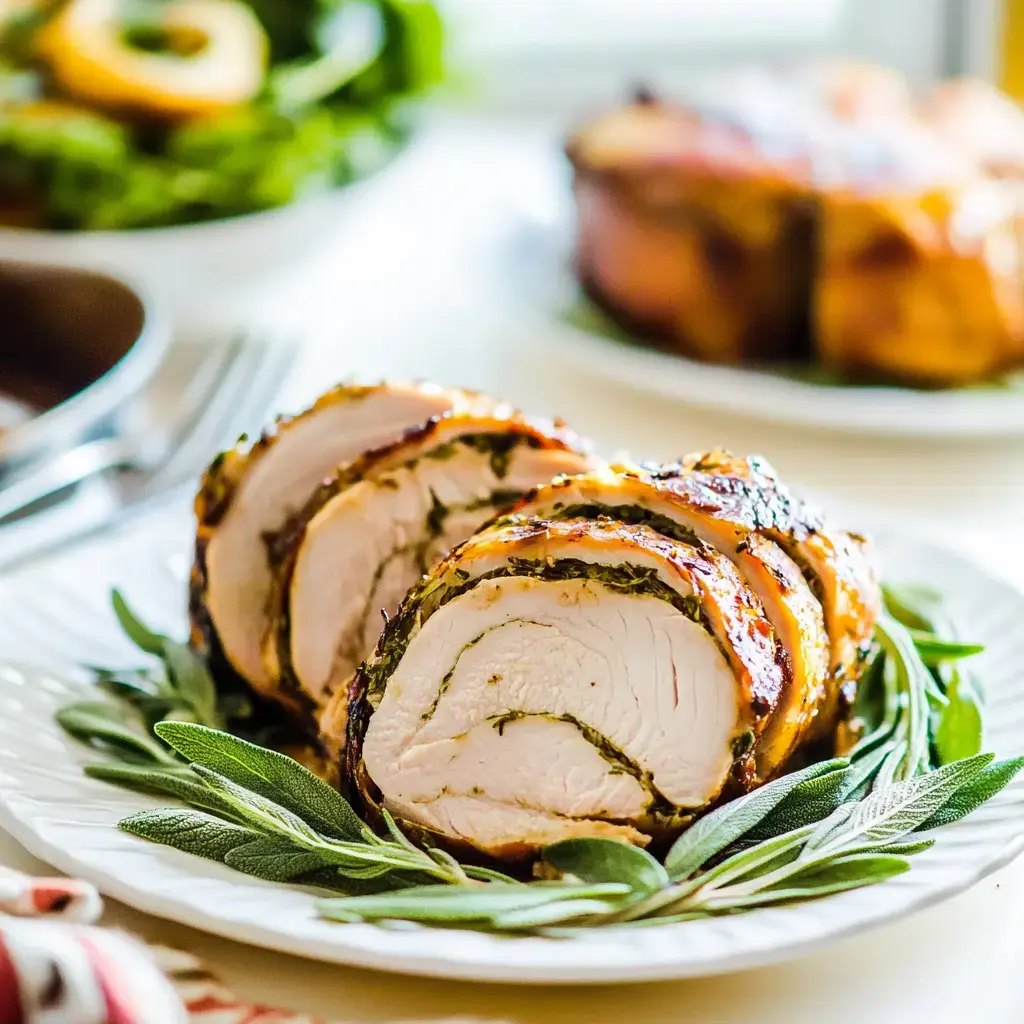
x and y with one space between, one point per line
333 107
913 763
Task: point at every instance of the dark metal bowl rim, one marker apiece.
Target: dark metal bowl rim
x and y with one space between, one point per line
72 419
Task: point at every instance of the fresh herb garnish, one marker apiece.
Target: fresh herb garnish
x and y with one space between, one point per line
833 826
291 821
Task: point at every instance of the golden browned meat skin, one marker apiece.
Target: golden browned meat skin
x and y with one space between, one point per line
731 613
723 518
816 213
734 613
287 543
711 261
837 564
223 486
927 289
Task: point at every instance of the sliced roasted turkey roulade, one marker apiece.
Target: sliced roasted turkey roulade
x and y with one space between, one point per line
815 581
250 491
556 679
638 496
367 535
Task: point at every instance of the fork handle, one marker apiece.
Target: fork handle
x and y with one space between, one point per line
71 467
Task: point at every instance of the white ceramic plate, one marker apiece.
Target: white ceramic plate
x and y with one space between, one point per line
537 259
57 615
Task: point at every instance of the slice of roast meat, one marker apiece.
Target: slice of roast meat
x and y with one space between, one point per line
367 535
836 563
251 490
633 495
563 678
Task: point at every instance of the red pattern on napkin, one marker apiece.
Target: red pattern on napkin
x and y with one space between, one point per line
70 900
76 974
208 1001
85 975
10 998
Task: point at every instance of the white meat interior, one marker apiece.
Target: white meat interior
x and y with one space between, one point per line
649 681
368 545
278 483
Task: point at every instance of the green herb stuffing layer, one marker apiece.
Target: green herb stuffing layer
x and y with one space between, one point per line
631 515
623 578
433 527
660 806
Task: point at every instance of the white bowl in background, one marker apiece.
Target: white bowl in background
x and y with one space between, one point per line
193 266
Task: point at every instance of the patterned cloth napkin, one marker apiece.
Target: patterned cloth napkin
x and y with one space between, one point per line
55 968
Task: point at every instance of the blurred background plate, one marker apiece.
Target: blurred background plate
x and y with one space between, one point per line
537 259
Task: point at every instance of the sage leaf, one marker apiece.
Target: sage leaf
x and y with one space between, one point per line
864 769
105 725
640 922
868 709
913 680
180 783
193 682
481 874
397 835
189 831
552 913
989 781
257 811
360 859
890 813
757 860
139 634
272 775
907 849
836 875
88 711
959 732
717 830
683 897
594 860
913 605
809 801
273 860
445 859
933 650
367 872
894 760
458 903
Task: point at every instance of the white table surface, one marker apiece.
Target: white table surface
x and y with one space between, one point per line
412 285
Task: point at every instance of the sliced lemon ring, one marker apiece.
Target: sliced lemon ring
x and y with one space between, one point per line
215 56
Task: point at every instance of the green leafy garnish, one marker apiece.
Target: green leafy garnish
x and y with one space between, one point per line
833 826
333 107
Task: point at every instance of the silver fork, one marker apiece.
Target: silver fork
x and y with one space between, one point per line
227 395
